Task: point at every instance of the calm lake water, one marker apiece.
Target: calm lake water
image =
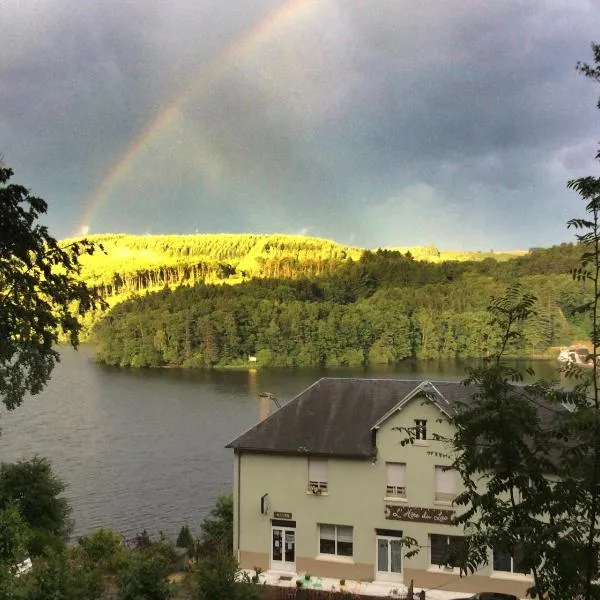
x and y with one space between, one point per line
145 449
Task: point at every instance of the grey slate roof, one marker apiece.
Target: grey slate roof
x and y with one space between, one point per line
335 416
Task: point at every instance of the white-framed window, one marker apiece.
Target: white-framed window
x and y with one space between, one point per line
446 550
445 484
507 563
420 429
317 475
396 479
335 539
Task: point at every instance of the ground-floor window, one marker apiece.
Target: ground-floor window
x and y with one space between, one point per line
447 550
503 561
335 539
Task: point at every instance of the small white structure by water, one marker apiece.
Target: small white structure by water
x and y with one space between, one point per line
577 355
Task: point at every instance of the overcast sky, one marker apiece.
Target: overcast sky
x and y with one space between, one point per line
370 122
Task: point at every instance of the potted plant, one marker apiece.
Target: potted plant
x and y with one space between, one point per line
299 583
257 572
342 582
307 576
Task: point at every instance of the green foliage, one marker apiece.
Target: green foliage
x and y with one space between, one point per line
57 575
217 528
145 575
14 537
186 540
32 486
41 293
103 550
98 562
217 577
325 323
529 455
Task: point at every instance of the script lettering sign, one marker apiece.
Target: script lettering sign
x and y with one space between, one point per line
282 515
415 513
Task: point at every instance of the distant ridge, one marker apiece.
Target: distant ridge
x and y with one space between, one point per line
234 246
133 264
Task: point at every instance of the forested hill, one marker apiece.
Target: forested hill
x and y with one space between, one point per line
377 307
133 264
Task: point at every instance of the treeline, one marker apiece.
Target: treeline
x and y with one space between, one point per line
380 309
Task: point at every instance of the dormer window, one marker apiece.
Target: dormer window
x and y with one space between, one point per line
420 429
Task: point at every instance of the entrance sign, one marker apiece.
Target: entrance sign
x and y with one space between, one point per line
282 515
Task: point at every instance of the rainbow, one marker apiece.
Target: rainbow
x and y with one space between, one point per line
252 39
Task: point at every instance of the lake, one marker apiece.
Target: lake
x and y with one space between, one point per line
145 448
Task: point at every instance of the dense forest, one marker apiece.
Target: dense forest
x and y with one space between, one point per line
364 307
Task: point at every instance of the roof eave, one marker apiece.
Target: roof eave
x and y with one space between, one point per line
272 452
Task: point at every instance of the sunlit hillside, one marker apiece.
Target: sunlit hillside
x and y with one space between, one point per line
132 264
432 254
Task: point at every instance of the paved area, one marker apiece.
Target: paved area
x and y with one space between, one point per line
367 588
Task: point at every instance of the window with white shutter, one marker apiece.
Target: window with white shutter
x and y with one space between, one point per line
396 479
317 475
445 484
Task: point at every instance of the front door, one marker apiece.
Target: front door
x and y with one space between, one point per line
283 549
389 559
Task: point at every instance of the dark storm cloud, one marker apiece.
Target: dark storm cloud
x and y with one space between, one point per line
379 122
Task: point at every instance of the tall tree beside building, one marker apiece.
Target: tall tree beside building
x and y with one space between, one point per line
530 466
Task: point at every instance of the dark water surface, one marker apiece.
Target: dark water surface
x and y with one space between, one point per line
145 448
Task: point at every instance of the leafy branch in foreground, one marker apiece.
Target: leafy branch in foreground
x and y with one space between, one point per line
41 293
529 455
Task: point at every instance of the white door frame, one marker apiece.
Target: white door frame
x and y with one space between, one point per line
282 565
388 575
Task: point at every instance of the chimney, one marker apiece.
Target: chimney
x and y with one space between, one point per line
264 405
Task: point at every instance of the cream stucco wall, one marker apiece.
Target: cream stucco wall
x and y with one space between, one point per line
356 497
